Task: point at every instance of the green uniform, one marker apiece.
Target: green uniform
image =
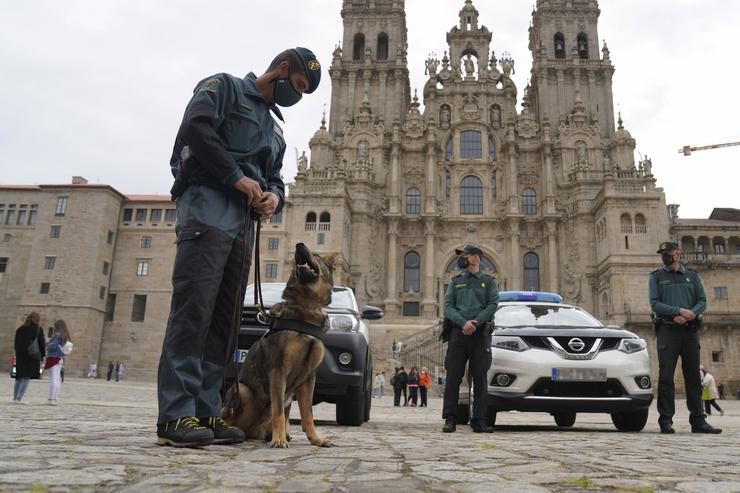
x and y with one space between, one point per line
469 297
669 291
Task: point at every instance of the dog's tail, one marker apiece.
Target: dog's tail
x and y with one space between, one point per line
232 405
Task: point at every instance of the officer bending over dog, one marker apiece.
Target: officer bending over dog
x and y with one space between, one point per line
677 300
226 161
470 303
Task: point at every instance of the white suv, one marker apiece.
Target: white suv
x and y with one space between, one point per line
556 358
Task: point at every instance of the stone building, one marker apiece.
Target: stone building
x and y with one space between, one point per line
544 180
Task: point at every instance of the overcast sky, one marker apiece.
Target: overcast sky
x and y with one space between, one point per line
97 87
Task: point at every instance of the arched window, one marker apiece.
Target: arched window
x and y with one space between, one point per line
413 201
311 221
529 201
448 149
358 50
719 245
325 217
559 42
485 265
640 224
531 272
470 145
411 272
582 41
471 195
493 185
491 149
382 50
625 223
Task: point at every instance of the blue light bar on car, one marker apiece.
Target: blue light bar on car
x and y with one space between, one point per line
542 296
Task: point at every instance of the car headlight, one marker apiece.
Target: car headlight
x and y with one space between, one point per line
345 323
512 343
632 345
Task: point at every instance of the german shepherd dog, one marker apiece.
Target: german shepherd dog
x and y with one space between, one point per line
282 365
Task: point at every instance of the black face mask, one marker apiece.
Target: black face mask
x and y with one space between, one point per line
284 93
667 258
462 262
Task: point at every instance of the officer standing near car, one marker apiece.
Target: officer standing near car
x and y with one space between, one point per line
470 303
226 161
677 299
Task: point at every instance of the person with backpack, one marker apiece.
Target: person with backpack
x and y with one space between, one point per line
30 350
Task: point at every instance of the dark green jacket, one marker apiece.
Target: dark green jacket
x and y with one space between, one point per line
471 297
669 291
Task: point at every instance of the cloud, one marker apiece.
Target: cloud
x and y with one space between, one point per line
98 88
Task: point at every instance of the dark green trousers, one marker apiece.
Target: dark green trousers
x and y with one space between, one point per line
674 341
462 349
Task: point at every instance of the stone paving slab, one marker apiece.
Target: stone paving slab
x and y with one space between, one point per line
101 438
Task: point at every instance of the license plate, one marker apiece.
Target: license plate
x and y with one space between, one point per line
240 355
579 374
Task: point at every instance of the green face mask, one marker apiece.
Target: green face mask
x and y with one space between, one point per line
284 94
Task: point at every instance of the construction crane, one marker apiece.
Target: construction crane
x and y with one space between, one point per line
686 150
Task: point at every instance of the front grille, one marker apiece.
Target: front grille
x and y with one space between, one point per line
548 388
246 341
588 343
536 341
610 343
249 316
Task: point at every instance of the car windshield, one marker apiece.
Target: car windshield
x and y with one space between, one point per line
272 293
539 315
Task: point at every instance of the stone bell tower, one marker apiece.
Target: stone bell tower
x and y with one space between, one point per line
567 65
370 66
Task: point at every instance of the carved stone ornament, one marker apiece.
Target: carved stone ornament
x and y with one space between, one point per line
470 109
414 126
526 126
374 282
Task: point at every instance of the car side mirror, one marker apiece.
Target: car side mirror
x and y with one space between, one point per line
372 312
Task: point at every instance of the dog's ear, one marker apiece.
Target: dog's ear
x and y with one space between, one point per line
331 260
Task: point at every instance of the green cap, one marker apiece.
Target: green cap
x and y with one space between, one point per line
311 66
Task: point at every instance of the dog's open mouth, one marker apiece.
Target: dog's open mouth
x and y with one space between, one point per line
306 268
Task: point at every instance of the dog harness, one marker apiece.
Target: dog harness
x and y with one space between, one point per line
301 326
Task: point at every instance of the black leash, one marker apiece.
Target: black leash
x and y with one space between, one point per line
239 301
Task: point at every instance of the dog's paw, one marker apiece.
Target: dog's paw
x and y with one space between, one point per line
279 443
322 442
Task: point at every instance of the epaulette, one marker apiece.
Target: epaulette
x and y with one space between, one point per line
655 271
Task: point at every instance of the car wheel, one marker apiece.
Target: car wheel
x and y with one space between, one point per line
491 417
565 420
351 407
368 388
630 420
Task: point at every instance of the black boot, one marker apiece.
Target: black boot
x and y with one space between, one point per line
450 425
480 426
705 428
184 432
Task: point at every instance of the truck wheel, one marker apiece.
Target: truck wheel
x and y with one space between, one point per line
565 420
630 420
351 407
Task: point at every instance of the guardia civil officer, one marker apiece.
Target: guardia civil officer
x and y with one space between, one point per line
470 303
226 161
677 300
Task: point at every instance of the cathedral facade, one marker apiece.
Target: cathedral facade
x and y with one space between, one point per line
543 179
550 192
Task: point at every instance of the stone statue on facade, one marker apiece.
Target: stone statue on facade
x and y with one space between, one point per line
469 66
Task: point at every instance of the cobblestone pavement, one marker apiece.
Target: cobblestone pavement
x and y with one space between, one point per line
101 438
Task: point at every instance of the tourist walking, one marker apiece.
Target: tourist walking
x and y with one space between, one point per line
55 352
28 356
424 381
